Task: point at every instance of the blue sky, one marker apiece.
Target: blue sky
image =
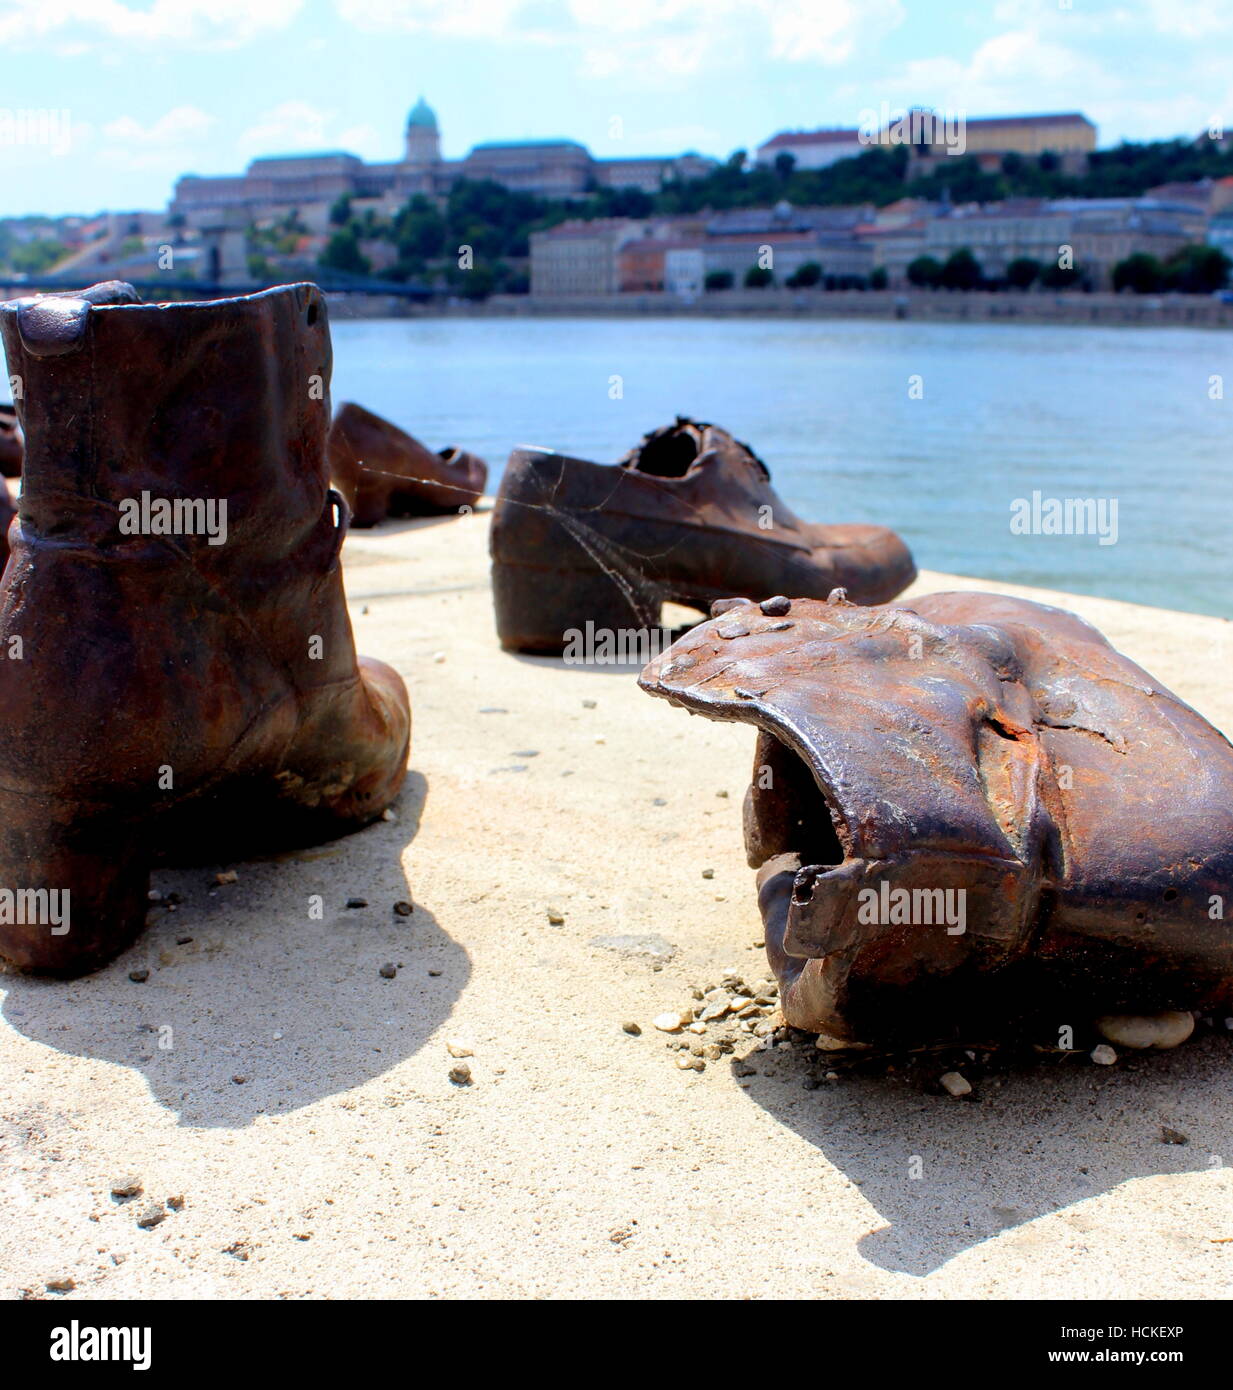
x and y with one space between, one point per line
156 88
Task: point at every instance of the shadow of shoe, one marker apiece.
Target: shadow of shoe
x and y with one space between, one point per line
946 1175
264 995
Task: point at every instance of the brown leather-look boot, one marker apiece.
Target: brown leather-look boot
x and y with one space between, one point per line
965 810
382 471
177 668
12 446
689 516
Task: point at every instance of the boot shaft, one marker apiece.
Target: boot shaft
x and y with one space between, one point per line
174 419
178 642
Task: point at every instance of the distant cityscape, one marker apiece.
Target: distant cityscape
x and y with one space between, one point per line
1001 202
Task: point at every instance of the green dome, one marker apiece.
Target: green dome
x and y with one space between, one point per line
422 115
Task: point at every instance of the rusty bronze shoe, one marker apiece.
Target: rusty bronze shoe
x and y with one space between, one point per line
177 668
689 516
382 471
967 810
12 447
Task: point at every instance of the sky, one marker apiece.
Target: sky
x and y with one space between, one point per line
122 96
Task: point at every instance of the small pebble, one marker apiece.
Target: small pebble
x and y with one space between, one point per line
1172 1136
127 1186
456 1048
176 1203
388 970
227 876
152 1216
1160 1030
183 940
632 1029
61 1284
776 607
687 1062
438 657
556 917
1104 1055
404 908
357 902
388 814
954 1084
139 976
667 1023
239 1080
588 704
460 1074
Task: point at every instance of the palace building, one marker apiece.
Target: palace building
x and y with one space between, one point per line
310 183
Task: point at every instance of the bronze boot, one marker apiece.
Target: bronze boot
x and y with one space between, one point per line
179 676
382 471
967 810
12 446
689 516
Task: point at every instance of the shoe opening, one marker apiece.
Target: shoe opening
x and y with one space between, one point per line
667 455
787 812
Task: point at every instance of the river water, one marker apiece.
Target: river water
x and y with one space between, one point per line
935 429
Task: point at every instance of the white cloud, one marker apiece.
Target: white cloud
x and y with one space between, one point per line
80 24
643 38
459 18
292 125
165 144
180 126
295 126
829 33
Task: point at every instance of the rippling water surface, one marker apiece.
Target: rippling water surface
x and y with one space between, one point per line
1109 413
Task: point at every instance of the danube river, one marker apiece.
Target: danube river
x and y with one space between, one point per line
935 429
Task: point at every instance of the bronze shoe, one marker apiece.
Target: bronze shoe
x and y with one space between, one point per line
382 471
966 810
177 668
12 448
688 516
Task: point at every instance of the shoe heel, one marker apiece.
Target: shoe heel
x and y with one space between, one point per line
80 893
538 609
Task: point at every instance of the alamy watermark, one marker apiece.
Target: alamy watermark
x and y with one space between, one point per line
885 906
35 907
48 128
1065 516
179 516
621 646
918 127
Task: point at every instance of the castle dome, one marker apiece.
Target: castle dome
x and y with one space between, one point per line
422 116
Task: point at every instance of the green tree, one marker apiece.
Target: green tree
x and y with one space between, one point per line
719 280
961 271
758 278
1023 272
925 271
340 211
878 278
342 252
1141 273
1060 277
34 257
1197 270
805 275
785 164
